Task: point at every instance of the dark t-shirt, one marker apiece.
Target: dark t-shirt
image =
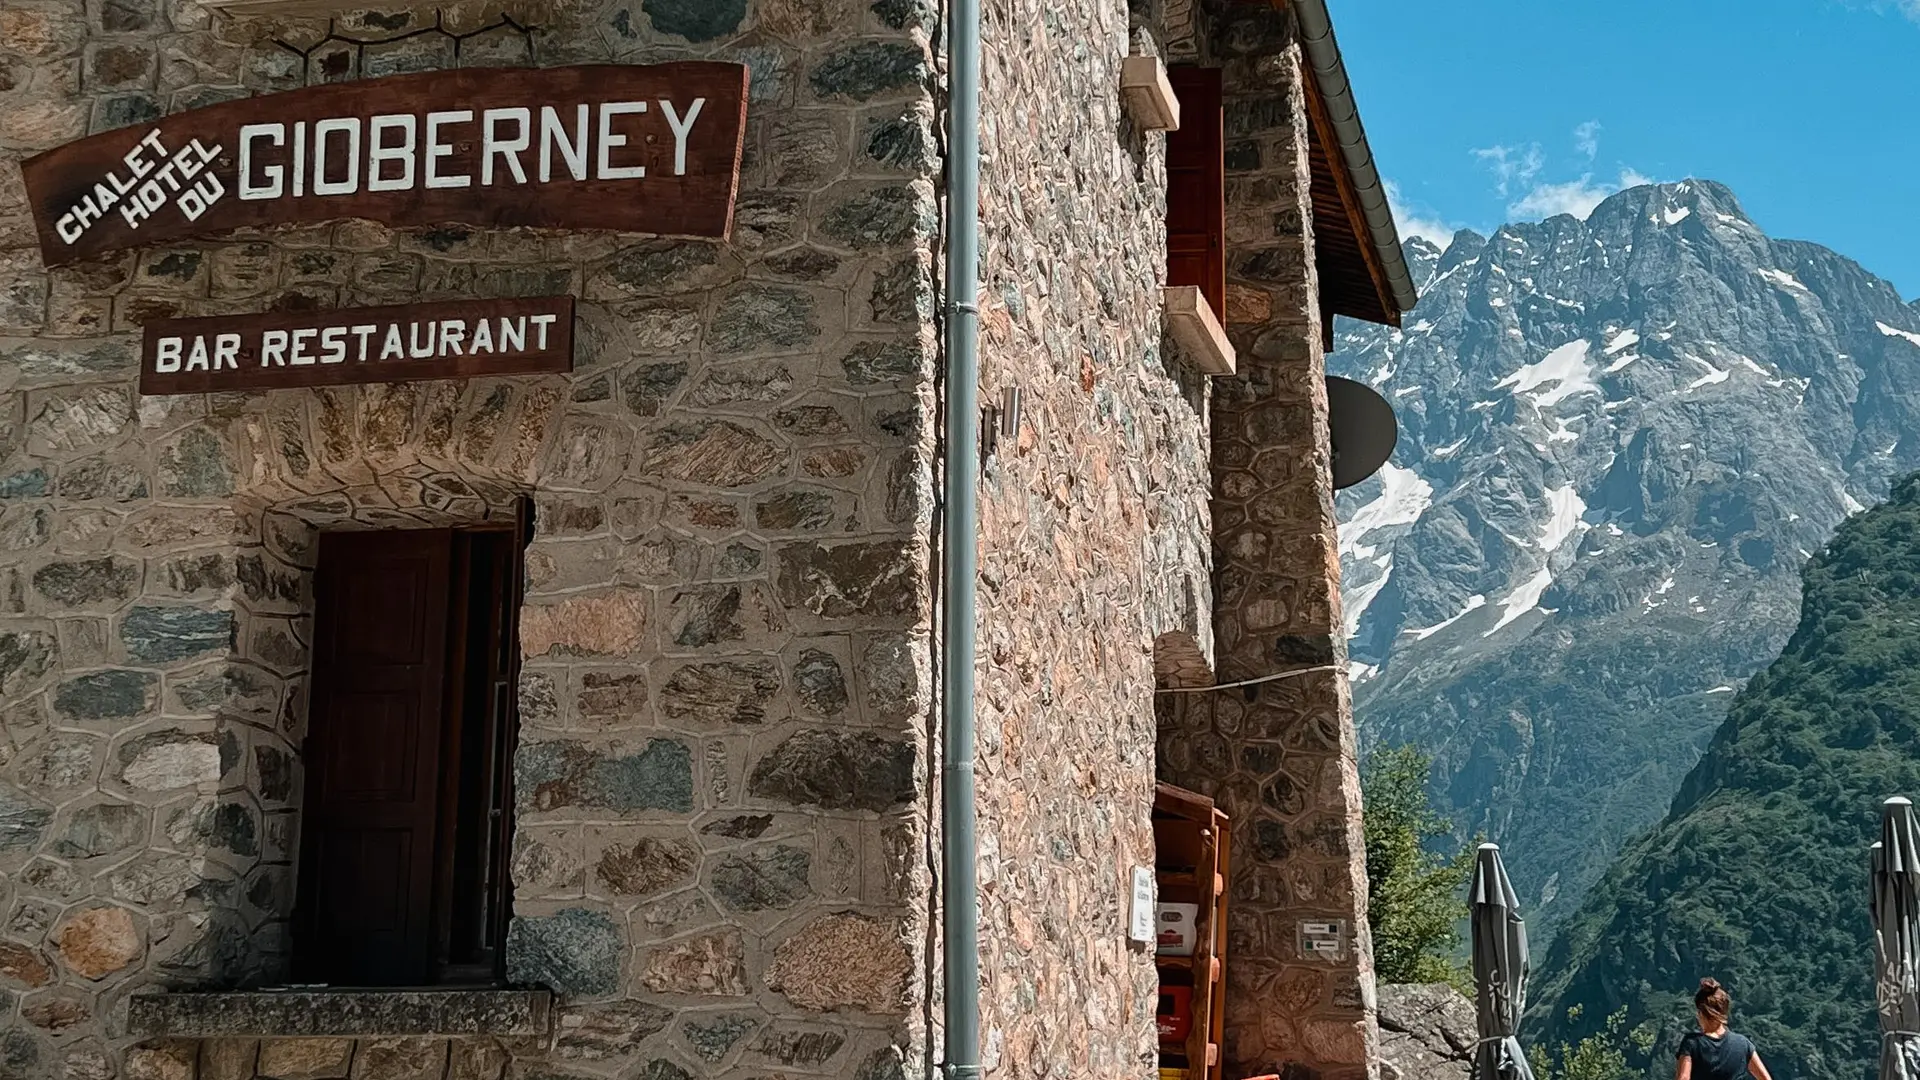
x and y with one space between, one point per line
1724 1058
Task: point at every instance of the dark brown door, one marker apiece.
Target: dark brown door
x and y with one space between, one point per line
1197 187
373 754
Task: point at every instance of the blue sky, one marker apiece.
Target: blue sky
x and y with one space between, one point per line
1484 111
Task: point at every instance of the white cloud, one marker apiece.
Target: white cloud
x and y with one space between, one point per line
1576 197
1514 164
1909 8
1586 137
1418 222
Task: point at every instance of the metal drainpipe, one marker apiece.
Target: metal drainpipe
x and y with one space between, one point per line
959 533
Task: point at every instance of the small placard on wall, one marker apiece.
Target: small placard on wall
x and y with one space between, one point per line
1140 918
1323 939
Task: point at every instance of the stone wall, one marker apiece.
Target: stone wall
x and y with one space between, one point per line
1095 539
1279 756
340 1059
721 839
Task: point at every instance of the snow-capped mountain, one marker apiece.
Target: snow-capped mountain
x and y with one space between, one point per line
1620 438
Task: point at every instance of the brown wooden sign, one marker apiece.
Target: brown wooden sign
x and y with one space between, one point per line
638 149
458 340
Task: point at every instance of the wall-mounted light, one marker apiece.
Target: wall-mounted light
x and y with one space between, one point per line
1000 421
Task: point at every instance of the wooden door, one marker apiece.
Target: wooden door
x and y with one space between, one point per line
1197 187
373 757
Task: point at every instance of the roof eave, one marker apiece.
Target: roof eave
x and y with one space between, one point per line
1330 74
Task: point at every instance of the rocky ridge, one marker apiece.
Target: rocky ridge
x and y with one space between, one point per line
1620 439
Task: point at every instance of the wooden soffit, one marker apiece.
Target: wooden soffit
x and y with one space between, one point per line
1352 281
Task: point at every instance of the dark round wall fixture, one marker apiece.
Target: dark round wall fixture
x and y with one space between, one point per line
1363 429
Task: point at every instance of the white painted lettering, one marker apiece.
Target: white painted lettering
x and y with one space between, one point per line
167 175
513 334
682 127
608 140
482 338
198 359
166 355
90 210
415 349
379 153
437 149
363 332
136 163
542 322
206 191
299 354
299 159
333 342
452 333
553 134
68 227
393 346
509 149
275 174
273 348
349 183
226 352
187 163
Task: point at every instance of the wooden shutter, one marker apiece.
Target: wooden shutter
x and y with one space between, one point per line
373 758
1197 187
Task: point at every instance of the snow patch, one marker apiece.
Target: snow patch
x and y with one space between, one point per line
1893 331
1621 340
1474 603
1564 511
1621 362
1566 367
1676 215
1404 496
1359 672
1448 450
1721 690
1522 599
1355 603
1713 375
1782 278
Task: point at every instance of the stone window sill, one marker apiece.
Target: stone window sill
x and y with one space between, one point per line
356 1013
1197 331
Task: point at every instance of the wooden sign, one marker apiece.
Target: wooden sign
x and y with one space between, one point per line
459 340
607 146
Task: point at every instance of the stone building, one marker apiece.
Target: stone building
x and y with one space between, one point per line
720 853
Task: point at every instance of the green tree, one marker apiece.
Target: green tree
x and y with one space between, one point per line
1600 1056
1416 897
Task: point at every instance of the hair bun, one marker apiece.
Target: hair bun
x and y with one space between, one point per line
1709 984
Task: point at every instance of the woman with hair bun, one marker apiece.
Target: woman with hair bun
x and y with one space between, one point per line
1717 1052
